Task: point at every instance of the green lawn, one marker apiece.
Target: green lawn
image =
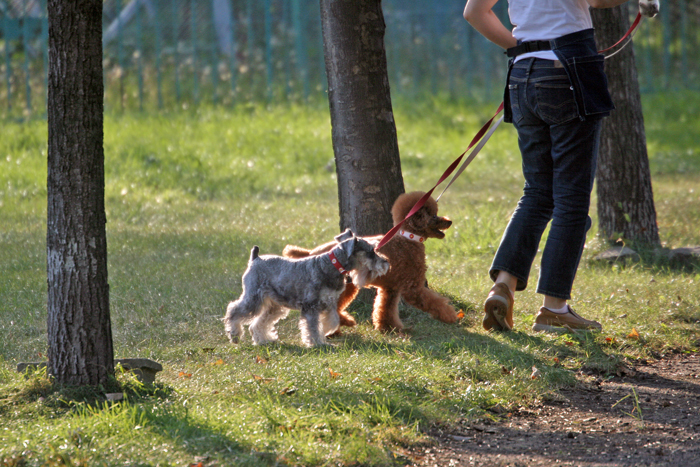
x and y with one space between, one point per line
189 194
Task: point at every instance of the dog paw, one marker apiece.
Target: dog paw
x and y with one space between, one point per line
448 318
347 321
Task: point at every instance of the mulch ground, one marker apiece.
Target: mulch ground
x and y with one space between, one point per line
646 416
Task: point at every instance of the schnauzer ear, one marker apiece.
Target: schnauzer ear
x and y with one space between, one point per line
348 246
348 234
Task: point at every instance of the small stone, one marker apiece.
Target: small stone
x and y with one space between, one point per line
617 254
684 257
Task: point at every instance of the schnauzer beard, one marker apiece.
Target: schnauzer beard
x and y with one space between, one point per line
368 270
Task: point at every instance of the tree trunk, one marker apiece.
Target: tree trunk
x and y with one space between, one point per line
79 330
625 198
364 133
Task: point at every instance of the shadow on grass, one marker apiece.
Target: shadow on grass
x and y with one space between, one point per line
149 407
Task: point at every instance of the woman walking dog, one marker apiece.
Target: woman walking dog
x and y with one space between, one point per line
556 97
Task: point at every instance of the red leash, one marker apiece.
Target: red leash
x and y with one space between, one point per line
388 236
636 22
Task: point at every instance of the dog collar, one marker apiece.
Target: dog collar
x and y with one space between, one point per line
336 263
411 236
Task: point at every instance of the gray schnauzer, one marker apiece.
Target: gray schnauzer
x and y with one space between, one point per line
273 284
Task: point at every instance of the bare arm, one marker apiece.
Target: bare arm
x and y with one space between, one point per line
480 15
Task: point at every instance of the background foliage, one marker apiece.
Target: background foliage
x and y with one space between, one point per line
171 54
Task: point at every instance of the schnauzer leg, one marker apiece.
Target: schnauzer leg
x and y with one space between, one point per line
330 320
238 313
262 329
385 314
309 326
431 302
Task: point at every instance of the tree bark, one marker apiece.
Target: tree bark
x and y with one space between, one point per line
625 197
363 129
79 330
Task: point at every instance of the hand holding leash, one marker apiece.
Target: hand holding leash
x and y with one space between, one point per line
649 8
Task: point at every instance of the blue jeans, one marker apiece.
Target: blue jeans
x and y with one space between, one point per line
559 152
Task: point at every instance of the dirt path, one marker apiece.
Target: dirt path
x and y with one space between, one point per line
584 429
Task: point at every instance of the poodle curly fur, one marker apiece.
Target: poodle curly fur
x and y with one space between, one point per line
406 276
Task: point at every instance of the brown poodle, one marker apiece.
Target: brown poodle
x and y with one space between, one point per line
406 276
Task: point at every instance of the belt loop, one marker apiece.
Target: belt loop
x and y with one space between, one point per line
530 65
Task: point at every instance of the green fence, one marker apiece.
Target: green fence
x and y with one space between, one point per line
166 54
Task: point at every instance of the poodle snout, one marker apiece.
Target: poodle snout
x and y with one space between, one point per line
438 224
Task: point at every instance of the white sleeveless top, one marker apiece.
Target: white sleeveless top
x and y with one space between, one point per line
543 20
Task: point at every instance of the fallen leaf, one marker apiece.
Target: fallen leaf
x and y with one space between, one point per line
288 391
569 343
505 370
333 374
460 314
218 362
634 334
182 374
260 360
264 380
535 373
609 339
556 360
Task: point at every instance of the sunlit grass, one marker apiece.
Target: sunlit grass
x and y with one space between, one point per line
188 195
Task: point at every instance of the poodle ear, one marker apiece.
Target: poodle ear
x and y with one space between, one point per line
348 234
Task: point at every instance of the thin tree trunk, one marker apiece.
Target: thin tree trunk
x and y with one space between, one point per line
364 133
625 198
79 330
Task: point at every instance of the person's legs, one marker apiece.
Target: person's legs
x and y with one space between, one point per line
559 155
511 265
521 237
574 154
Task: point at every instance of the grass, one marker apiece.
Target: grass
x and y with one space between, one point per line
187 196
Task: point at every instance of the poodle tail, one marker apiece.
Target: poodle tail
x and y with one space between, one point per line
293 251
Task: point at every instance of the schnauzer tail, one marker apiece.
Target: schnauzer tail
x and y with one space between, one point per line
254 253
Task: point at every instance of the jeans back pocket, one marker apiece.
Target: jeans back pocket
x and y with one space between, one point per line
556 102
